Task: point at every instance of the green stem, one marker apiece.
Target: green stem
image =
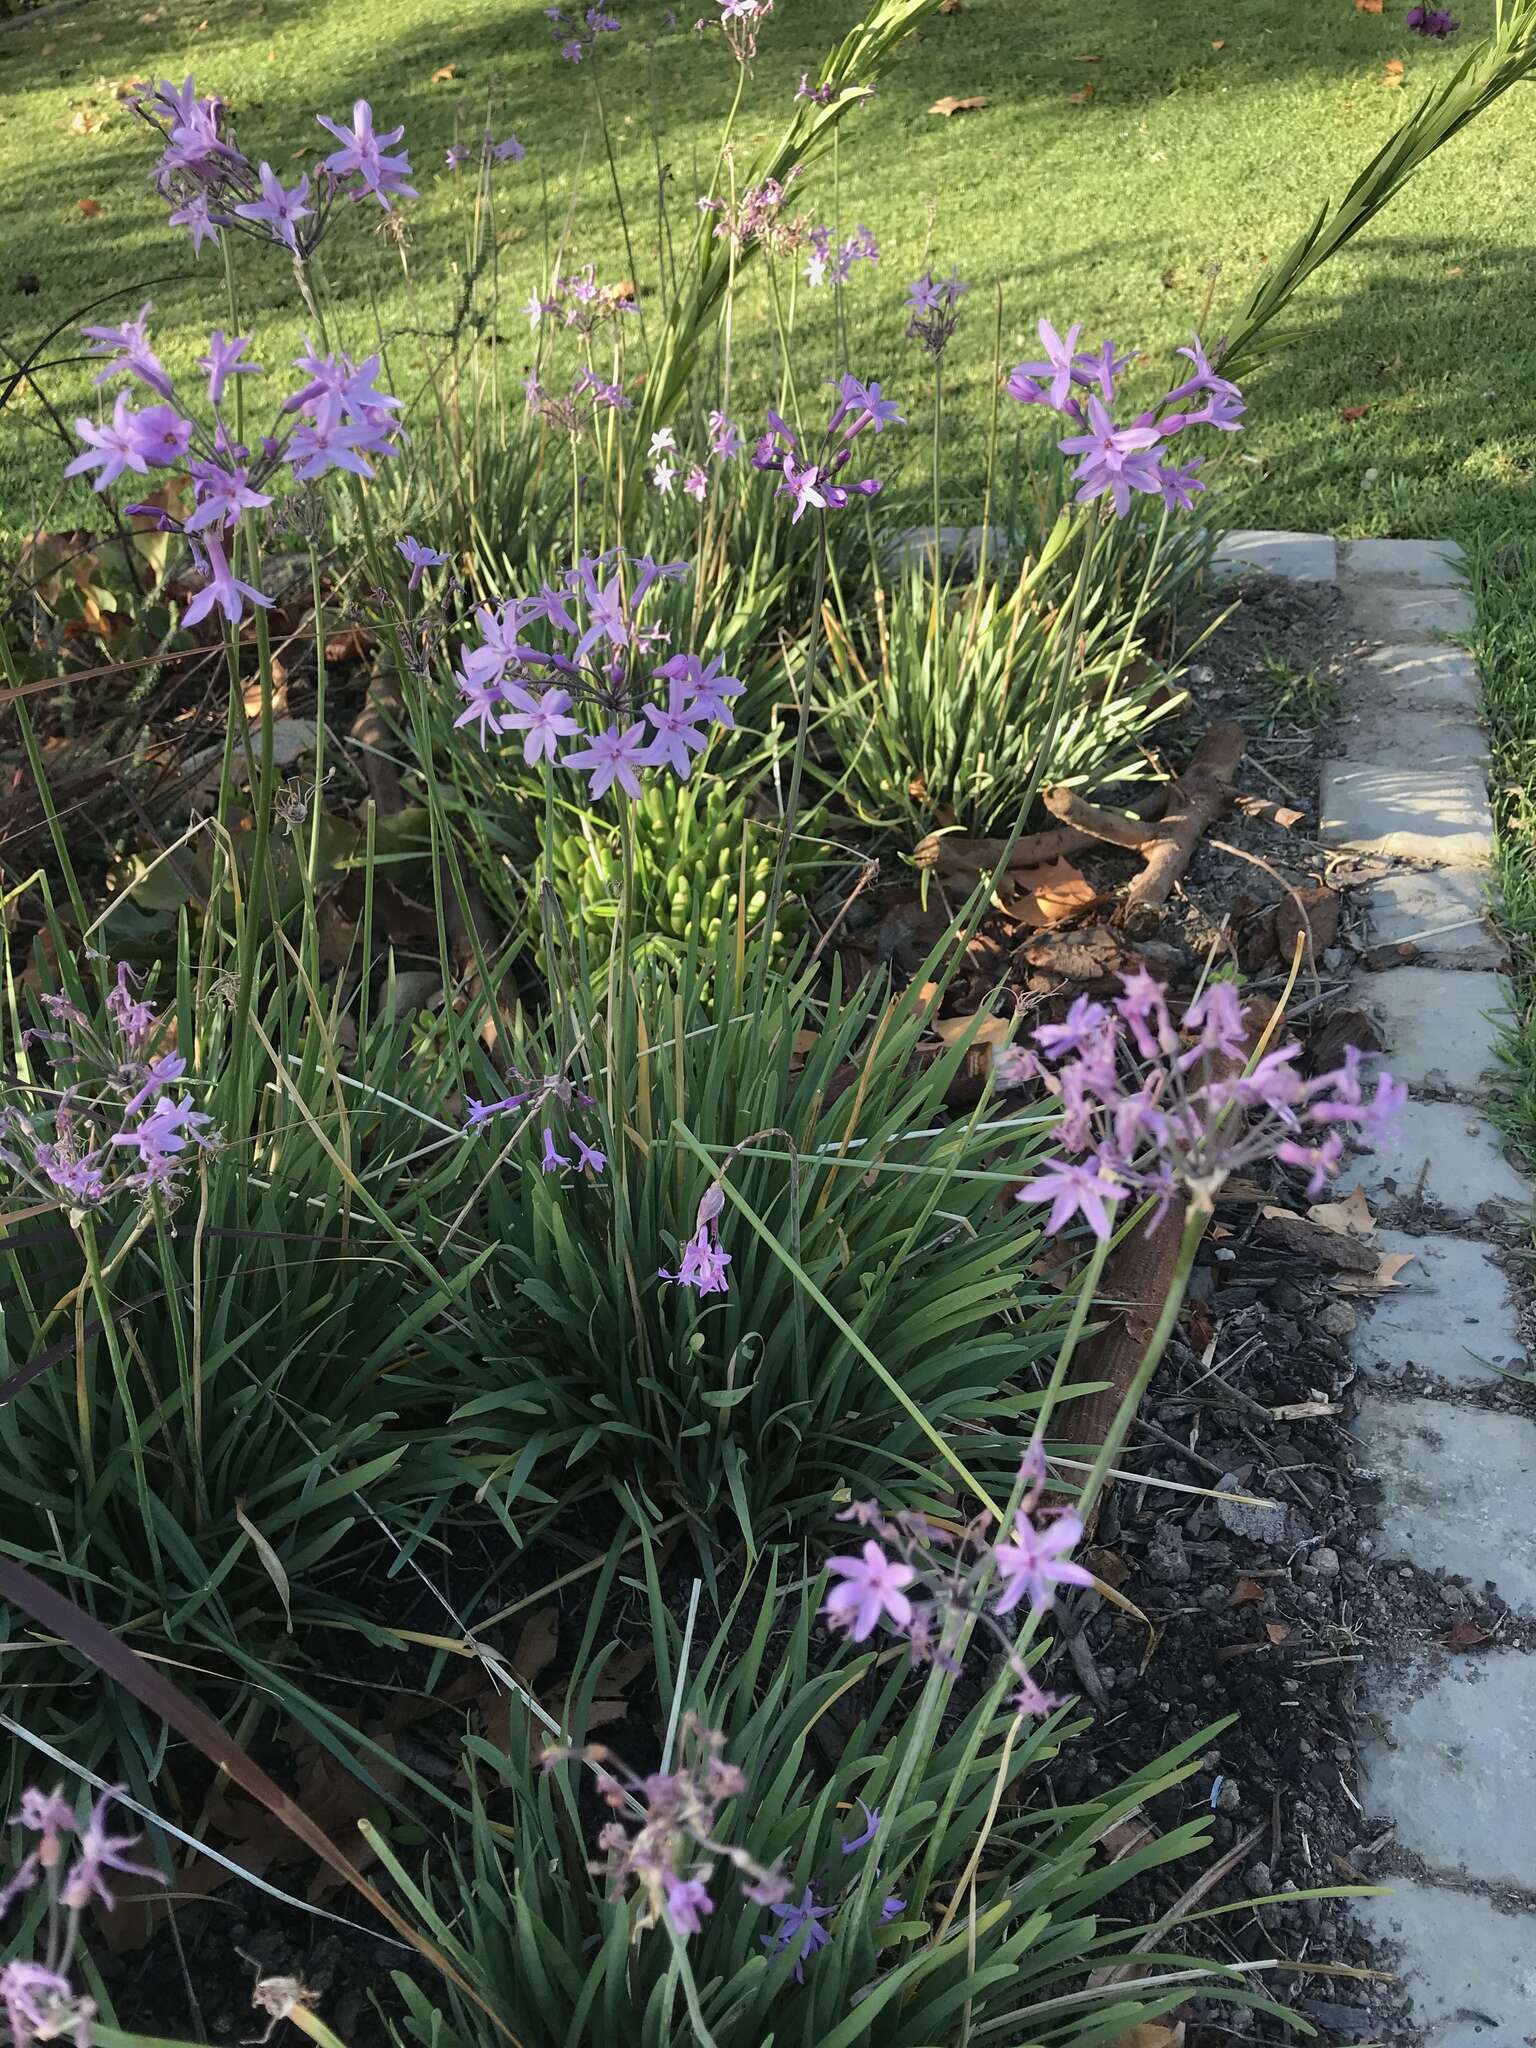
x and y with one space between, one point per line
796 771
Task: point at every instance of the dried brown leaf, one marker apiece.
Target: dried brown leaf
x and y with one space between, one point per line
91 208
1246 1593
1277 1631
1046 895
949 105
1083 95
1392 72
1353 1214
1465 1635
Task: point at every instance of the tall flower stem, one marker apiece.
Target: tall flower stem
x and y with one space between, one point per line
796 771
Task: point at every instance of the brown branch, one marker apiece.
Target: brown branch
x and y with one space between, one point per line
1090 821
951 854
1201 794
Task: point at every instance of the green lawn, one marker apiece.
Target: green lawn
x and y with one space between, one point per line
1212 132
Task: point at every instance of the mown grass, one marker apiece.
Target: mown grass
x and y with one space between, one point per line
1208 135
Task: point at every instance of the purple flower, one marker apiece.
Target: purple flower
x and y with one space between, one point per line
1178 485
314 447
485 700
872 1585
1438 22
362 153
222 496
223 362
708 689
678 738
860 406
724 441
194 215
39 2005
224 589
129 353
166 1130
688 1901
612 757
553 1159
1060 361
419 557
100 1852
507 150
800 487
482 1112
1031 1699
276 210
588 1158
702 1265
870 1829
799 1923
1035 1562
457 156
48 1814
1074 1188
1103 365
1114 459
111 448
696 483
543 717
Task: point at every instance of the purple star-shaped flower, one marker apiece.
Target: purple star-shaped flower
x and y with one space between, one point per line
612 757
223 362
419 558
277 210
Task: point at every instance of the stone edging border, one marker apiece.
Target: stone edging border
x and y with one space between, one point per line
1449 1766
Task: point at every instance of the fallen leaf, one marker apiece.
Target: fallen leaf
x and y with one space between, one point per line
1350 413
1352 1214
86 121
1246 1593
1220 43
1368 6
1456 271
91 208
1148 2034
1277 1631
1465 1635
950 105
990 1031
1108 1565
1392 72
1046 895
1325 1046
949 6
1081 97
1388 1266
1322 908
1306 1411
1124 1836
444 72
1088 57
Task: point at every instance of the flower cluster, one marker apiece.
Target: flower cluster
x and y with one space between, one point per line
704 1260
36 1998
725 445
212 185
580 301
824 95
337 419
933 308
539 1097
675 1844
757 217
669 1847
577 33
1120 461
809 478
982 1576
490 151
740 21
606 671
834 263
115 1125
1152 1108
1436 22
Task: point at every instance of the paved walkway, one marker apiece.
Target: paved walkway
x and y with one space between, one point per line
1452 1766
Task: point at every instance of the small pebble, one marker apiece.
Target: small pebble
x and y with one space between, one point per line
1325 1562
